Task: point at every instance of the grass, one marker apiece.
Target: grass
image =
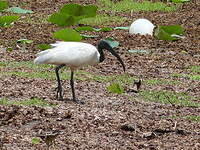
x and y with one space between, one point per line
29 102
103 20
195 69
189 76
47 72
188 117
193 75
161 82
168 97
130 5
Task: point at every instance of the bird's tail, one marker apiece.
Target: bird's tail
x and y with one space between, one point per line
42 57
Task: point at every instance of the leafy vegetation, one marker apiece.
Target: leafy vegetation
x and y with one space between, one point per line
167 97
68 15
3 5
35 140
161 81
45 71
169 33
179 1
188 76
195 69
115 88
7 20
43 46
188 117
29 102
67 35
103 20
130 5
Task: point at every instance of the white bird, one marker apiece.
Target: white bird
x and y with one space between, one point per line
74 55
142 26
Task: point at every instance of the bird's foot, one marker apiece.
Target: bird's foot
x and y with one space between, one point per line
78 101
59 93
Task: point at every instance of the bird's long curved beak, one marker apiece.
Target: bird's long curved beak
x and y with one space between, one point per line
110 49
118 58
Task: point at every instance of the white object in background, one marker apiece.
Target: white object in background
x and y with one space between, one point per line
142 27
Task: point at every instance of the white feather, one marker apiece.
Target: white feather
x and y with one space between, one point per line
142 27
72 54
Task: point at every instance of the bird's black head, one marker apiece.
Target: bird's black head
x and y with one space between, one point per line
104 45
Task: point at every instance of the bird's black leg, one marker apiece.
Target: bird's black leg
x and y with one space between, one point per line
73 91
59 87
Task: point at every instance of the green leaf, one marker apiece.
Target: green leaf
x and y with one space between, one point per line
169 33
35 140
79 10
121 28
9 49
85 28
44 46
179 1
71 9
89 11
62 19
67 35
89 36
7 20
24 41
19 10
112 42
3 5
105 29
88 28
115 88
70 14
173 29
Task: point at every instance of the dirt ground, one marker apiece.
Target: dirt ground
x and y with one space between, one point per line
106 121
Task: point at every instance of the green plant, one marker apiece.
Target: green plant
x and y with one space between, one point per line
195 69
168 97
169 33
3 5
162 81
35 140
43 46
67 35
103 20
115 88
68 15
24 42
29 102
179 1
7 20
130 5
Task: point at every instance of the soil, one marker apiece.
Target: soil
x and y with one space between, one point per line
106 120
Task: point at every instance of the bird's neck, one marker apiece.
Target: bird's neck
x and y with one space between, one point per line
102 57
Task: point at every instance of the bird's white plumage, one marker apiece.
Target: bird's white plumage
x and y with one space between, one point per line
72 54
142 26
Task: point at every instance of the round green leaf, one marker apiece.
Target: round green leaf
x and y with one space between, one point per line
62 19
3 5
67 35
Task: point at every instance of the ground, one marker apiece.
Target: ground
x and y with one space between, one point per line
106 120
